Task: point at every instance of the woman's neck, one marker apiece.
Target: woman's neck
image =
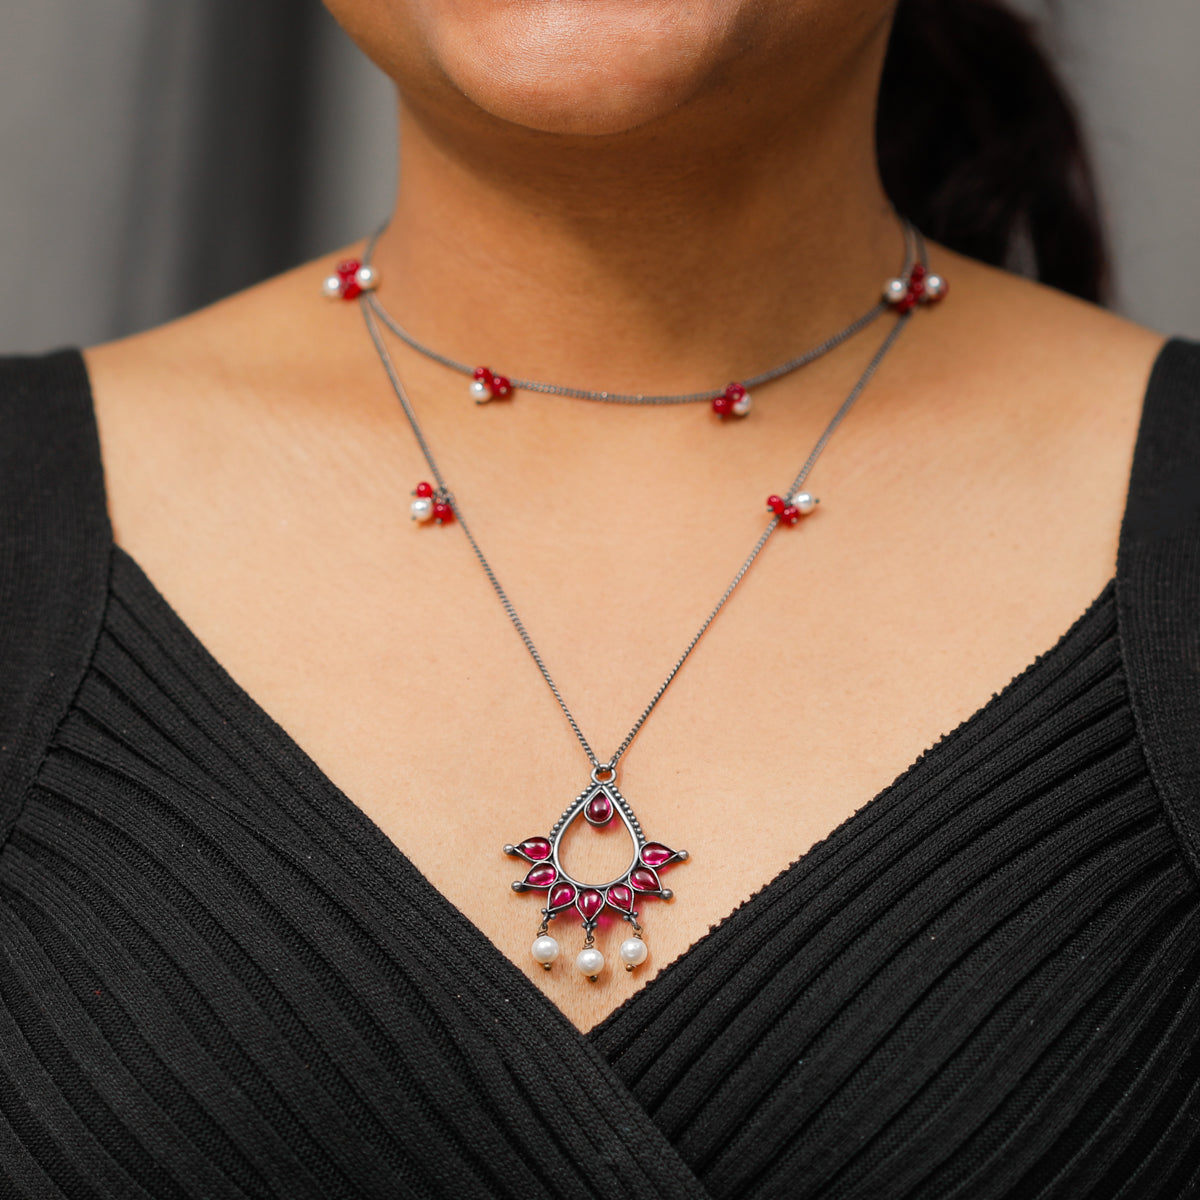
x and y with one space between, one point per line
664 259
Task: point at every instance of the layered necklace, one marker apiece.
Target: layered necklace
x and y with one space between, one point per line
600 802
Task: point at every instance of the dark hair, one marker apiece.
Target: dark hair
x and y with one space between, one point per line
980 146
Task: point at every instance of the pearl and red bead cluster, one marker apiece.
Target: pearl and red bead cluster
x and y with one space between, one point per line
921 287
790 510
487 385
429 506
349 280
733 401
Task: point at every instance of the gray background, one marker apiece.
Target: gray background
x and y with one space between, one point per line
158 154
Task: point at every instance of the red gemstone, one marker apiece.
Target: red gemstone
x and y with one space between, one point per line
424 489
776 504
654 854
644 880
351 291
790 515
347 269
561 895
482 373
735 392
916 288
599 809
918 273
537 849
443 514
722 406
500 386
619 896
541 876
906 305
590 903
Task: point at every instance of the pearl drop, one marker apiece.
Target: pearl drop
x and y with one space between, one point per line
934 286
633 952
480 391
421 508
366 278
895 290
741 407
332 287
590 962
544 949
804 502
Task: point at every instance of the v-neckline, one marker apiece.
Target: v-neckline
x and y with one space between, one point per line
363 825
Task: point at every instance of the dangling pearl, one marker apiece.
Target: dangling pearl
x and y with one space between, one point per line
331 287
480 392
935 287
895 290
633 953
741 406
421 508
804 502
590 962
544 950
367 278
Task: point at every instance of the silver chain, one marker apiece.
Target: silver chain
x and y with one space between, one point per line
368 311
912 252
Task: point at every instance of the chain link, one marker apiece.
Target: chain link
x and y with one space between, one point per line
912 251
369 310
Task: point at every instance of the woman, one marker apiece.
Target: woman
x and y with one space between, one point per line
256 959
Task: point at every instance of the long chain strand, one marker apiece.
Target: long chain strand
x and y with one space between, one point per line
912 253
369 316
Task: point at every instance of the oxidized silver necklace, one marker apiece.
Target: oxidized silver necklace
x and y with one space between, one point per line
353 279
600 801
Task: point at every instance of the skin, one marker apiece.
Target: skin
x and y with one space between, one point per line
639 196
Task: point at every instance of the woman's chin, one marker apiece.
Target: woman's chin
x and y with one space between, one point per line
583 67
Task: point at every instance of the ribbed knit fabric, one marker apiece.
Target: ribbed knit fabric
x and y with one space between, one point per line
218 979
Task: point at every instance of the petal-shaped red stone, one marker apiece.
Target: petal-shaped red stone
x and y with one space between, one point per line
538 848
541 876
590 903
644 880
599 809
561 895
619 896
654 854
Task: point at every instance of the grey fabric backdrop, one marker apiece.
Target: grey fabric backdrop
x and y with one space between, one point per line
158 154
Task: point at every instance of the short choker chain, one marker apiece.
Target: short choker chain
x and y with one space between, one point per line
913 285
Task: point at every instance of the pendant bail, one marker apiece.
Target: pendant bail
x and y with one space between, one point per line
604 772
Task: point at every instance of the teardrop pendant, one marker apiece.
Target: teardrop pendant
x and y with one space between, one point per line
598 804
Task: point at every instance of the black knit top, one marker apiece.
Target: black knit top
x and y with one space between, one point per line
218 980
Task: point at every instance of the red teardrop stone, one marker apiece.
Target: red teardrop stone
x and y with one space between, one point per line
654 854
619 896
644 880
541 876
590 902
347 269
561 895
537 849
599 809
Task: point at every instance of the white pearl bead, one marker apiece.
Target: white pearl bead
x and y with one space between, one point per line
421 508
935 285
590 962
741 407
332 287
895 290
366 278
480 390
544 949
804 502
633 952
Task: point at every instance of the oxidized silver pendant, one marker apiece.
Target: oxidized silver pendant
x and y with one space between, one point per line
598 804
